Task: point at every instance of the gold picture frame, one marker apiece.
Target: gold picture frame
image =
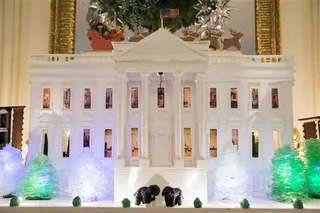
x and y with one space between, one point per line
63 13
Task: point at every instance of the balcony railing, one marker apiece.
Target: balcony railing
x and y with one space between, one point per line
109 58
77 58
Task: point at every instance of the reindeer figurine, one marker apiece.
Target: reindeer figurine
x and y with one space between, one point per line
214 36
140 33
234 41
190 34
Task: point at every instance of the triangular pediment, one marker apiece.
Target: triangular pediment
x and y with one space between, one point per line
256 118
161 46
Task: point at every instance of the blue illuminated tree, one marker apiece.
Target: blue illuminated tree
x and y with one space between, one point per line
11 170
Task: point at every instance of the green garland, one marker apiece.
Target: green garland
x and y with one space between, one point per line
135 15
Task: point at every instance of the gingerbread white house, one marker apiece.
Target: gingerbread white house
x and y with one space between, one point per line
160 110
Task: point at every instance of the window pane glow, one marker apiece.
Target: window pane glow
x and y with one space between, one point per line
276 140
255 98
108 143
186 97
187 142
235 137
134 98
66 143
160 94
46 98
86 138
109 97
255 143
87 98
234 98
67 98
213 98
213 143
134 142
274 98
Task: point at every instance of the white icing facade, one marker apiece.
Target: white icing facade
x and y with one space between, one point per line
210 98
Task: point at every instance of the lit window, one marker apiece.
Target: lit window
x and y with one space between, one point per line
67 98
46 98
160 97
134 98
86 138
213 143
134 142
109 97
186 97
108 143
234 98
87 98
274 98
187 143
255 98
235 137
66 143
45 142
276 140
213 98
255 143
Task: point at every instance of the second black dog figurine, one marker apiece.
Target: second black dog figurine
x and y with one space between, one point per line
146 195
172 196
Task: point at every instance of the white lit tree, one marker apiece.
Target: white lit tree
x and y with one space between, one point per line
231 177
11 170
87 178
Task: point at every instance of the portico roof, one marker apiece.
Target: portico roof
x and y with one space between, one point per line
160 46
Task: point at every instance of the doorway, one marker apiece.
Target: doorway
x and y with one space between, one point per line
161 150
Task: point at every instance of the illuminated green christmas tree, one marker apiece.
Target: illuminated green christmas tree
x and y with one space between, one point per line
311 156
40 181
288 176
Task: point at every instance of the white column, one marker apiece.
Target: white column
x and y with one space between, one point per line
144 155
202 106
121 116
266 134
285 104
177 120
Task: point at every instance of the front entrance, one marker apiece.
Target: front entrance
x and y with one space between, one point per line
161 150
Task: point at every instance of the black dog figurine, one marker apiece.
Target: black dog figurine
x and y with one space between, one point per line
172 196
146 195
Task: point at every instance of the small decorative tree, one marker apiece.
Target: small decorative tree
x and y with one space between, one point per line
76 202
87 178
126 203
288 176
11 168
231 177
244 204
310 154
297 204
197 203
14 202
40 181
